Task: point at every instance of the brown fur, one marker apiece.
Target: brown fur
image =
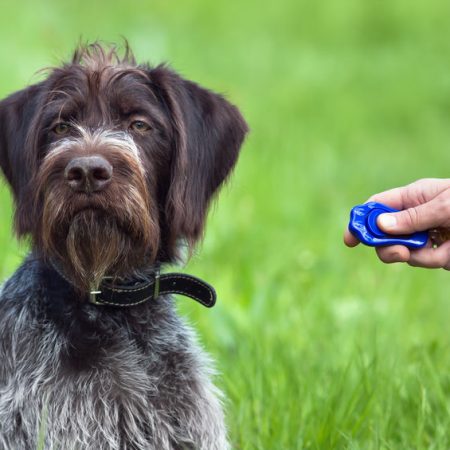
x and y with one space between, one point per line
98 234
156 198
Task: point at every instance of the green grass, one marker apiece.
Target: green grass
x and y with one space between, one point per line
318 346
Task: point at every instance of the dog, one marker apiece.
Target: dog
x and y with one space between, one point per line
112 166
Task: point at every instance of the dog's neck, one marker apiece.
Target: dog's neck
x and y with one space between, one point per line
144 286
141 274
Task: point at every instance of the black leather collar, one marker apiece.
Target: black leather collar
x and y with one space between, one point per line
112 292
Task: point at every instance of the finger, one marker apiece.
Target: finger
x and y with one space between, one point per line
350 240
418 218
393 254
392 197
414 194
433 258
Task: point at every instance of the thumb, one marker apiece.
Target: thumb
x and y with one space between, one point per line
418 218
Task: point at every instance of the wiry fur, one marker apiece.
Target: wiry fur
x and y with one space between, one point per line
74 375
134 386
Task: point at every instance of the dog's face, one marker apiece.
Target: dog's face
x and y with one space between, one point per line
111 164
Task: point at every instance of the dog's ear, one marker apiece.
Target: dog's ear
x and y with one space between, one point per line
18 115
209 132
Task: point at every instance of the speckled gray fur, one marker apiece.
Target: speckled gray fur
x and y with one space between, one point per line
116 380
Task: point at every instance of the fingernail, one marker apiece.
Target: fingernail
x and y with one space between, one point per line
387 221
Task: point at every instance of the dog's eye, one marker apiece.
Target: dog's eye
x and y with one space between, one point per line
61 128
139 125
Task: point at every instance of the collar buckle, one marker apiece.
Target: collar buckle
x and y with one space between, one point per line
93 297
95 291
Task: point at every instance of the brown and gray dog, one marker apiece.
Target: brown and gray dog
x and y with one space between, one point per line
112 165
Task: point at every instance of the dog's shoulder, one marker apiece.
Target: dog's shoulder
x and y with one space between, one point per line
19 288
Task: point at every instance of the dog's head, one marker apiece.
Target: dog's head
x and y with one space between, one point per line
111 163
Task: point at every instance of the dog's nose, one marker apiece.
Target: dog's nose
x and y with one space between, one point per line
88 173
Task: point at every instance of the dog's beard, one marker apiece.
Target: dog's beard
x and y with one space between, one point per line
94 242
97 246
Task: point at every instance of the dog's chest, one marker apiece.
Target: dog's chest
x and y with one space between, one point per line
95 379
120 393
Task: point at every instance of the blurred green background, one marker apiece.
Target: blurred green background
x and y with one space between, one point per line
318 346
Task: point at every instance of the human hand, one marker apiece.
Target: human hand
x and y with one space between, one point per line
424 205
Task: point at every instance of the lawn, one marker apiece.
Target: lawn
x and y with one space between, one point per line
318 346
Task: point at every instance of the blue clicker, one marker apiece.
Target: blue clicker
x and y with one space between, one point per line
363 225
